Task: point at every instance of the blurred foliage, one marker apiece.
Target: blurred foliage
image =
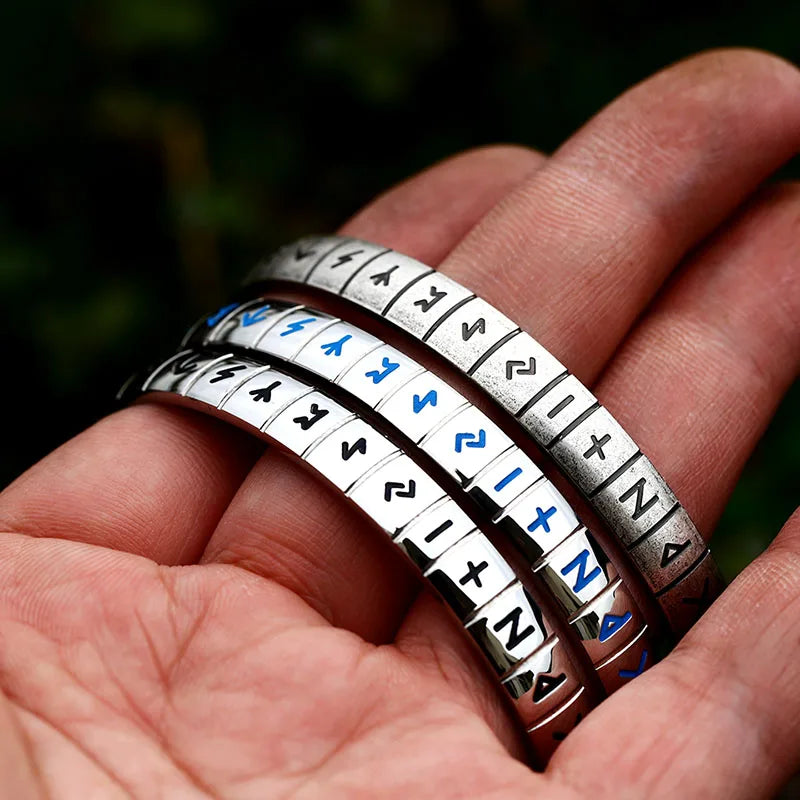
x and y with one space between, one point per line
151 150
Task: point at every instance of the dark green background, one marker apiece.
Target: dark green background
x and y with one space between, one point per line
150 151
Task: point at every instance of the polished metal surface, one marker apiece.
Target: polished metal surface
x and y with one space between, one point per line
502 480
542 682
430 534
576 571
545 735
510 627
538 520
458 436
470 574
403 500
556 410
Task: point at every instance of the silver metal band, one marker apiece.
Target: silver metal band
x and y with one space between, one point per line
393 491
468 446
560 414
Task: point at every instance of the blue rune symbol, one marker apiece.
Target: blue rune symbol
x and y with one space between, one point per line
420 402
297 326
634 673
215 318
335 348
387 368
611 624
252 317
515 473
470 440
579 563
542 519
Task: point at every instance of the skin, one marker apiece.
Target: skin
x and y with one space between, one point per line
173 624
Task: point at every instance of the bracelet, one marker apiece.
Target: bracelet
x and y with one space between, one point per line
475 453
560 414
535 665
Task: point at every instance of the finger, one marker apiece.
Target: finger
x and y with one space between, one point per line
715 355
323 550
432 638
720 717
155 481
409 216
148 480
578 249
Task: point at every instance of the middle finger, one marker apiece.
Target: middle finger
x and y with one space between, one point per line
579 248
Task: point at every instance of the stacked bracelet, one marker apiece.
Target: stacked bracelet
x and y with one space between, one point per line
398 496
552 406
553 613
482 460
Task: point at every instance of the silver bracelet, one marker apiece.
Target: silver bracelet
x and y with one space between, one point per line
474 452
561 415
535 666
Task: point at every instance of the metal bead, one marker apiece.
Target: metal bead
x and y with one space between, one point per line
635 500
396 492
472 329
245 325
420 405
376 286
576 571
295 261
305 421
419 307
509 627
292 332
470 574
594 450
554 412
517 371
338 266
669 549
428 536
466 443
608 623
538 520
177 373
686 599
503 480
348 452
219 378
335 349
262 396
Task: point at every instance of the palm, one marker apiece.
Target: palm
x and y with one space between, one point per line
182 684
175 623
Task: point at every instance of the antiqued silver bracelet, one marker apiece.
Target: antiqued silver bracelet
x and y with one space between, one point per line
476 454
561 415
534 665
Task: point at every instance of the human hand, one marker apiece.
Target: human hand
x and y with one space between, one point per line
179 618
